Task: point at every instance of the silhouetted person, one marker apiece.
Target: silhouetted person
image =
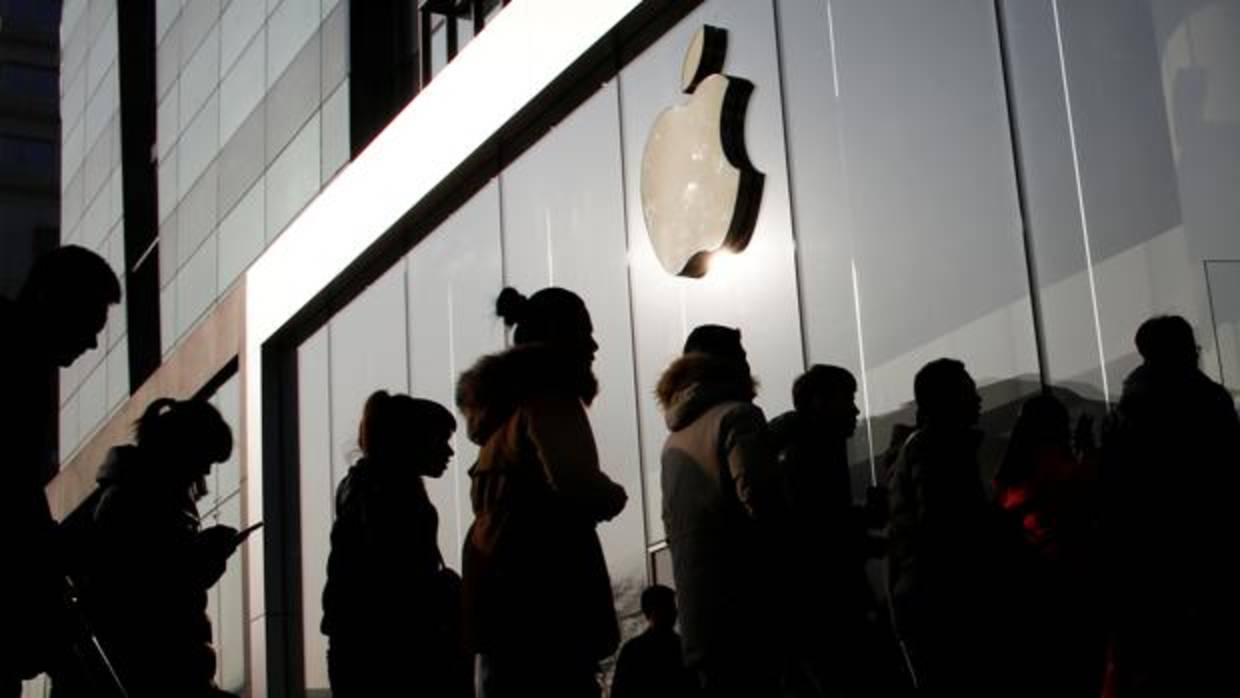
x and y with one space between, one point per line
152 563
1170 460
651 665
1047 486
828 599
719 492
538 603
56 317
940 551
390 608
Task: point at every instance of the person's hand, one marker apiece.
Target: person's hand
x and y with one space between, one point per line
615 500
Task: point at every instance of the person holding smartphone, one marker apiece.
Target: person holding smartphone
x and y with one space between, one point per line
152 562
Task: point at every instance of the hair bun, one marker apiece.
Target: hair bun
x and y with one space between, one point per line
511 305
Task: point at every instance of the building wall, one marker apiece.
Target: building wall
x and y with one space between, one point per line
253 119
29 137
91 212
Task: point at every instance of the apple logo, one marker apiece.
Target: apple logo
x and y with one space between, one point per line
700 193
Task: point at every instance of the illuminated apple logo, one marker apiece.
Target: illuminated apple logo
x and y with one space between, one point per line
700 193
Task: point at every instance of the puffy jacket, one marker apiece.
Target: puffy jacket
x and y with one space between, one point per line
534 577
718 483
384 560
148 580
940 516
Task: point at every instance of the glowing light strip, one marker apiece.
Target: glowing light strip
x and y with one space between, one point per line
452 374
865 384
1080 202
835 71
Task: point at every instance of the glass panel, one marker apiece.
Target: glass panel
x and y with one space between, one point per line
288 29
293 178
454 278
564 226
439 44
227 399
230 629
947 161
368 353
1224 282
757 291
201 76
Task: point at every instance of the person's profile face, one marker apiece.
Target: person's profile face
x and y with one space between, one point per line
76 332
839 412
577 337
438 453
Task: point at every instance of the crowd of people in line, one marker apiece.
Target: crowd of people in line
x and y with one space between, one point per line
1087 567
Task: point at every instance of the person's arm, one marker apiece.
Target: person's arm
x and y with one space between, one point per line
750 461
560 432
622 680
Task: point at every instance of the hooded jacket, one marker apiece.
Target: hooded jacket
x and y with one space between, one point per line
148 579
534 577
717 476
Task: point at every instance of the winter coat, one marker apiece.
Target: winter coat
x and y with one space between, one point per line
651 666
943 567
29 541
939 512
147 583
825 533
534 577
389 608
718 483
384 557
1170 460
1170 422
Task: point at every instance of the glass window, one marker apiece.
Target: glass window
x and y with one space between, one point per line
757 291
564 226
454 278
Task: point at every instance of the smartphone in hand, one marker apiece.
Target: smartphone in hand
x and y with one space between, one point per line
245 533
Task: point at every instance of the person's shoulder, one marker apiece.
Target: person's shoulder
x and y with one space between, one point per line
742 411
785 426
353 486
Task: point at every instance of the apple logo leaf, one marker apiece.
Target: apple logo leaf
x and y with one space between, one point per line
700 192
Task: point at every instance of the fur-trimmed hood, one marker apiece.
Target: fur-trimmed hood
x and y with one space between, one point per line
496 386
696 382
